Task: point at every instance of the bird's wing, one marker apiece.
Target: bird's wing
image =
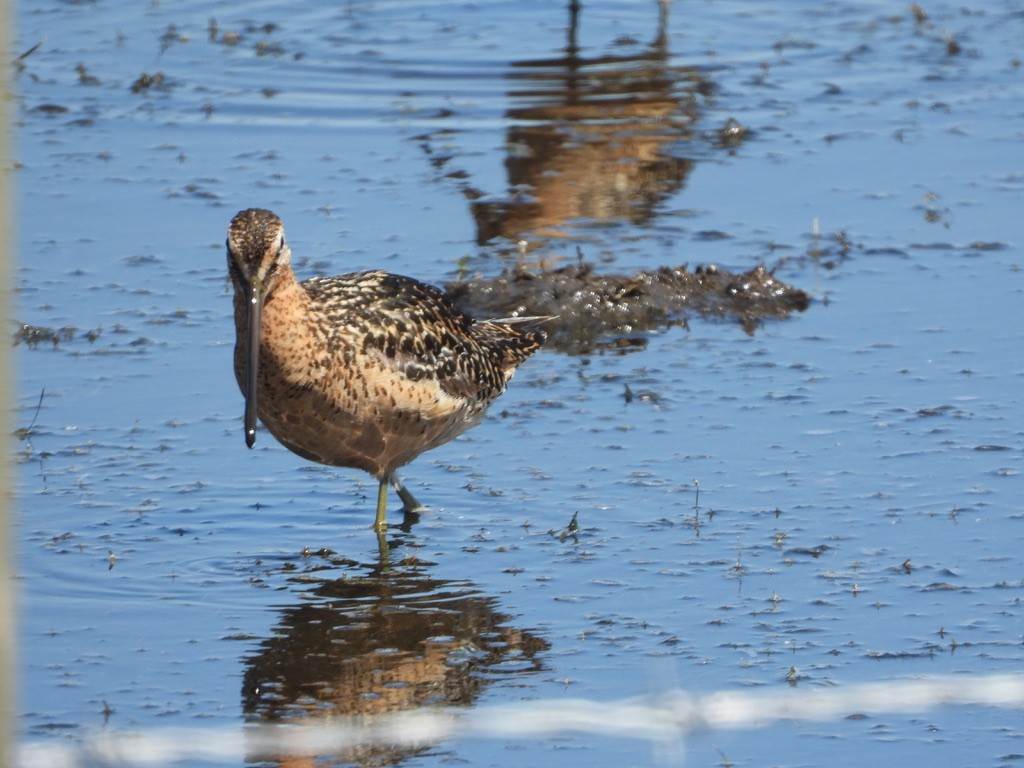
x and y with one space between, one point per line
414 329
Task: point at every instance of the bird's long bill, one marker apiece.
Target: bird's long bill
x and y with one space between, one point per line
252 360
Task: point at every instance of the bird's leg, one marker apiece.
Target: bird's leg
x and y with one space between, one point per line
380 524
409 503
383 550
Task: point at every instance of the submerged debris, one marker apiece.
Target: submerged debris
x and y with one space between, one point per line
590 310
731 135
84 78
50 110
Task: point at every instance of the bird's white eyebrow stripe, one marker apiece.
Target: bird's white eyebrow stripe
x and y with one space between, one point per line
282 257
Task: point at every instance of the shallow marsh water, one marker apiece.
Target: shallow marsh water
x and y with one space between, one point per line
834 499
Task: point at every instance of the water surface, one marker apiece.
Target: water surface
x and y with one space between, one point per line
833 499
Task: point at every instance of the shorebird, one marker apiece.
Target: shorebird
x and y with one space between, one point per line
365 370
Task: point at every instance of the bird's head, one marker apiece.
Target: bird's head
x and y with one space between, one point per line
256 249
256 254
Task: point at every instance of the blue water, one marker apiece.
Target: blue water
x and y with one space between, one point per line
157 558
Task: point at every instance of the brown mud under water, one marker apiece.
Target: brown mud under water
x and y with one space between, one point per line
590 311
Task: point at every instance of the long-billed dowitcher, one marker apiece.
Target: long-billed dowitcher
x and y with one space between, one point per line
365 370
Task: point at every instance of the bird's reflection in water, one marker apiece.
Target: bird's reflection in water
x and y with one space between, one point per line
381 640
592 139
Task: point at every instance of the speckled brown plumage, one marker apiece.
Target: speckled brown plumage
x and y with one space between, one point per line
365 370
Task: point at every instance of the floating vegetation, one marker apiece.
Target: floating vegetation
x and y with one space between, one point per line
570 531
590 310
147 81
34 335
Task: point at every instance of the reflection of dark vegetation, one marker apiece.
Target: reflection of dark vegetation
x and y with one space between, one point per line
385 642
588 309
